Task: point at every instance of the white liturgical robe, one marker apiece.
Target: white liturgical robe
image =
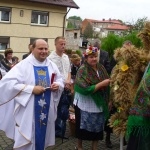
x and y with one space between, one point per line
17 103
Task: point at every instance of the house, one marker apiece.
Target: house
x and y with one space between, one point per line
77 24
103 27
73 39
23 21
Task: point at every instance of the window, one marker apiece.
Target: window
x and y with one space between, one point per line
4 43
5 14
75 35
39 18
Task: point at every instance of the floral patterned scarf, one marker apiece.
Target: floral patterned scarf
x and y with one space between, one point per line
86 80
139 118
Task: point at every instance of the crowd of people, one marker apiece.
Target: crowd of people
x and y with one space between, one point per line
38 91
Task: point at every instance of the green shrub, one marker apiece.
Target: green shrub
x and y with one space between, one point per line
68 51
79 53
112 41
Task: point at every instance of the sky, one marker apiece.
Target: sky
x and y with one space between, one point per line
125 10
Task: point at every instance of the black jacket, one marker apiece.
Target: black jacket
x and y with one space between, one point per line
25 55
104 60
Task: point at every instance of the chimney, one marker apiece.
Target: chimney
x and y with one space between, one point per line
109 19
103 19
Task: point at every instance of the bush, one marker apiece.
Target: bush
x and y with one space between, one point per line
79 53
112 41
68 51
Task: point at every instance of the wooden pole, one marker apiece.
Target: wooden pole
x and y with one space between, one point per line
121 142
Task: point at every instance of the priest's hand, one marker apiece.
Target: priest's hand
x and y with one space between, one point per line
38 90
54 87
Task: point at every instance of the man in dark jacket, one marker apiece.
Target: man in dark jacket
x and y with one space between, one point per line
103 57
104 60
30 50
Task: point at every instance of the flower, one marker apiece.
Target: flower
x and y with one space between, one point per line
42 116
42 102
116 87
124 67
120 109
90 50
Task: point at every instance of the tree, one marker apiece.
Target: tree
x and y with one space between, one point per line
112 42
75 18
88 32
138 25
70 25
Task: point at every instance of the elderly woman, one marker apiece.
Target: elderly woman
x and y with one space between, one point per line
91 94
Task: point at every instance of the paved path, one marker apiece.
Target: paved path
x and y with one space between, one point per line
6 144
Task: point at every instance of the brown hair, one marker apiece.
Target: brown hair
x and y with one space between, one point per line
7 51
59 37
75 57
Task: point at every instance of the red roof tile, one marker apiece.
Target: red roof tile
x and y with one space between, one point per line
117 27
106 21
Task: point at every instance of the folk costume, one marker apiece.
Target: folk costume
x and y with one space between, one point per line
26 118
138 127
89 106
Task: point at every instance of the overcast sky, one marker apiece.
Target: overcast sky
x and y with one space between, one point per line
126 10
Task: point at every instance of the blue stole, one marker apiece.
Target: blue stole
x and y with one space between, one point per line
41 106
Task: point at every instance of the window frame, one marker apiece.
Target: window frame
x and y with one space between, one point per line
6 41
40 13
6 9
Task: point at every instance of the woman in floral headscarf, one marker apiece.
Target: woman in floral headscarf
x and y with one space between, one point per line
91 94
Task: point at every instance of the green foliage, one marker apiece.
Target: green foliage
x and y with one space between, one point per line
134 39
88 32
79 53
112 41
70 25
68 51
75 17
138 25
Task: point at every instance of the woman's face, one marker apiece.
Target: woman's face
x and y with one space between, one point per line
9 56
76 63
92 59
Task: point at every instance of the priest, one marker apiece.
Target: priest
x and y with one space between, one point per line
30 93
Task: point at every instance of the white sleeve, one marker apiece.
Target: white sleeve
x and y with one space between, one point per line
13 86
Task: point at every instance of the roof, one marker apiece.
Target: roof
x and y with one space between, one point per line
105 21
65 3
117 27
